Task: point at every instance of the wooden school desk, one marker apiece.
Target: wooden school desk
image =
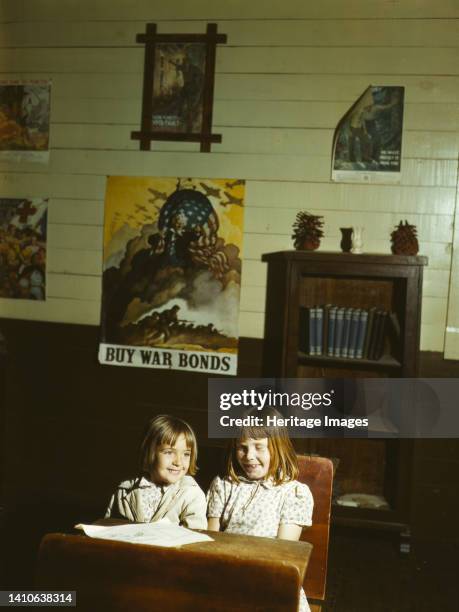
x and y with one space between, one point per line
233 573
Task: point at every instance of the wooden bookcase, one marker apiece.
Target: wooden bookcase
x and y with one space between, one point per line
390 282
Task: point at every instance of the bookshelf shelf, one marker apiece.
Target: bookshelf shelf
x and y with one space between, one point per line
302 280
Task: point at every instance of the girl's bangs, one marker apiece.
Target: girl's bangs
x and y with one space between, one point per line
170 437
257 432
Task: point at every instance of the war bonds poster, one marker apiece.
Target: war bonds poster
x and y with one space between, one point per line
368 140
172 273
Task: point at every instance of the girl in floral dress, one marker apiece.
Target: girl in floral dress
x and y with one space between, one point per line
260 495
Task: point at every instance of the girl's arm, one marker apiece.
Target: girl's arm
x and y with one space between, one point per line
194 513
215 504
213 524
288 531
296 511
109 511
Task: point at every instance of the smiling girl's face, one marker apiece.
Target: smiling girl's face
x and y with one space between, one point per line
254 457
172 462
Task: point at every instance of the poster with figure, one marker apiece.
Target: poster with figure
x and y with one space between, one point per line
367 145
24 120
178 87
172 273
23 229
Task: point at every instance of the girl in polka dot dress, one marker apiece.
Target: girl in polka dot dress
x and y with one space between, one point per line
166 487
260 495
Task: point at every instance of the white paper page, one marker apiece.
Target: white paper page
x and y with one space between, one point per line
160 533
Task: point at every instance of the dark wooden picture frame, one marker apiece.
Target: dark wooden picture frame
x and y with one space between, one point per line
178 87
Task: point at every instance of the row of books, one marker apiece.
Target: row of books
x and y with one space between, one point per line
351 333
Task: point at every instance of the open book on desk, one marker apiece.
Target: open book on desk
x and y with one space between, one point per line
160 533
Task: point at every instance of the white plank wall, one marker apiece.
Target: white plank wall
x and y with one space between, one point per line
289 72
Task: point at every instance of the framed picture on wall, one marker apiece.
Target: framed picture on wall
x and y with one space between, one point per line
178 87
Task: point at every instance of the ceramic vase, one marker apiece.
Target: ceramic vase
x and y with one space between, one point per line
346 239
357 240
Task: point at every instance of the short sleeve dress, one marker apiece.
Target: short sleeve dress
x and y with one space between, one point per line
257 508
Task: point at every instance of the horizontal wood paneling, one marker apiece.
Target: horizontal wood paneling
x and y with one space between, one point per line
76 287
47 10
295 114
395 60
86 237
266 194
74 261
78 212
253 113
390 198
301 32
287 75
59 310
423 89
426 172
267 141
332 87
18 184
431 229
286 59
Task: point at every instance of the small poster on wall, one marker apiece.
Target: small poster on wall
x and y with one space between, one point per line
23 248
24 120
367 146
172 273
178 87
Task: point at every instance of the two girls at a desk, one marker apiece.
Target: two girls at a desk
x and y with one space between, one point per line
259 495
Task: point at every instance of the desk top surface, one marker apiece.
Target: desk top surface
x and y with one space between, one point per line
242 547
248 547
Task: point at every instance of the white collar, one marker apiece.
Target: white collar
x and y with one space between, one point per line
146 483
268 483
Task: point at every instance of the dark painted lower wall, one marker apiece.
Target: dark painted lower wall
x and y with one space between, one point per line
70 429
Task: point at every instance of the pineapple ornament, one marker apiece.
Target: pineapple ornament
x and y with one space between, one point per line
404 239
307 231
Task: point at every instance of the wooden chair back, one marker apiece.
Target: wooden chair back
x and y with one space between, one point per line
317 473
119 577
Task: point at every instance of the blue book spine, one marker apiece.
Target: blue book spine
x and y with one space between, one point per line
361 333
312 331
353 333
319 320
338 332
346 332
331 331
